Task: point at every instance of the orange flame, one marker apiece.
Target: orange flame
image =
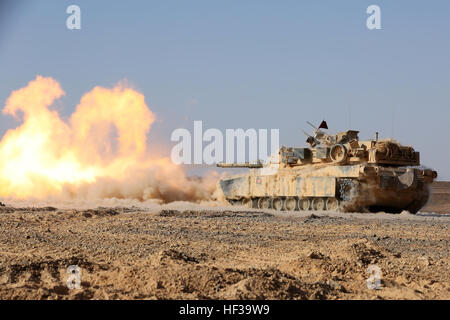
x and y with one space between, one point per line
100 152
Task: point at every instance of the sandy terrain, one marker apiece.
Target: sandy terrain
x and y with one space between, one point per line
193 252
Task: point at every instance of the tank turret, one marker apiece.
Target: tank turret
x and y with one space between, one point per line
336 172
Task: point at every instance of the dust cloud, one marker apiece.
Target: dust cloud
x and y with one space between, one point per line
101 152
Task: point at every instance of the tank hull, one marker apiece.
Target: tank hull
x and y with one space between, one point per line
349 188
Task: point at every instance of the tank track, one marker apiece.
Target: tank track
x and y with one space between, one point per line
290 203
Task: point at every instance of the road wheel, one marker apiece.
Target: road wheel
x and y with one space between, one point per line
248 203
332 204
304 204
318 204
277 204
263 203
291 204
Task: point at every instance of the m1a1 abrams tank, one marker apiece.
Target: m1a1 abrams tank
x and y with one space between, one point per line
336 173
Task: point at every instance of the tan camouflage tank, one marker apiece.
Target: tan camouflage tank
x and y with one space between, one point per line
336 173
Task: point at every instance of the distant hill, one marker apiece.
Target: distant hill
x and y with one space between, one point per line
440 198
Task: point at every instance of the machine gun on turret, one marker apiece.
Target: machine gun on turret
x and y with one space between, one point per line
319 137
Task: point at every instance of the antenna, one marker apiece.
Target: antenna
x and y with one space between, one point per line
349 117
306 133
392 124
311 125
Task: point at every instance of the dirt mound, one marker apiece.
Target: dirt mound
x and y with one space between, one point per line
315 219
205 282
212 214
97 212
264 284
366 252
43 276
8 209
274 284
175 255
100 212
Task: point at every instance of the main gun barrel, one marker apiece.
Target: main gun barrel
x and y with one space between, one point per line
240 165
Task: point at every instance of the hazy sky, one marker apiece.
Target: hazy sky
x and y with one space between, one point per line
247 64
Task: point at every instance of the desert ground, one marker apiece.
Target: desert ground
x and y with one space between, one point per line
187 251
